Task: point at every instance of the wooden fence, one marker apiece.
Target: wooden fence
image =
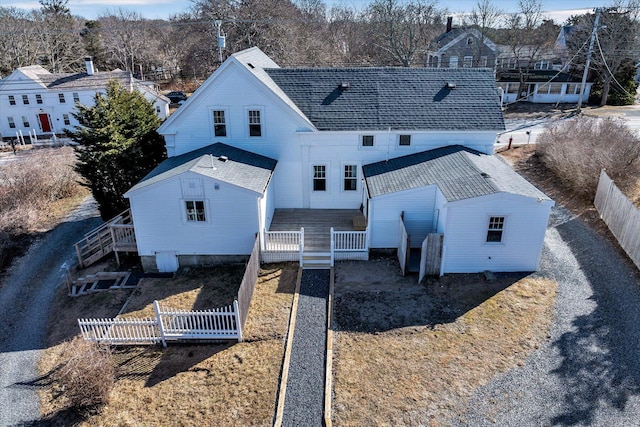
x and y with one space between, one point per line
248 285
169 324
620 215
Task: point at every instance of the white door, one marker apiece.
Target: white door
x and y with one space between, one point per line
166 261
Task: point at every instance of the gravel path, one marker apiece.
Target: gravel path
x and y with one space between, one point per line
304 399
25 296
588 374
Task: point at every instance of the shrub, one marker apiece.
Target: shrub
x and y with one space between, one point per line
576 150
87 374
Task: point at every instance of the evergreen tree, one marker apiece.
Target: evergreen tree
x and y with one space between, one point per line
118 145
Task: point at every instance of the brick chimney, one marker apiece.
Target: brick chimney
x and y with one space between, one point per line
89 63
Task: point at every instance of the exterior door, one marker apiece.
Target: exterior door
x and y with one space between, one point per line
166 261
45 122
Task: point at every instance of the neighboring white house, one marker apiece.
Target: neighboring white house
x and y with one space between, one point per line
255 138
33 99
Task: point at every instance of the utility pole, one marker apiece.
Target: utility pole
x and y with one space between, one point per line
221 39
586 65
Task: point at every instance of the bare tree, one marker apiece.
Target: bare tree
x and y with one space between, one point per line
19 42
61 48
403 30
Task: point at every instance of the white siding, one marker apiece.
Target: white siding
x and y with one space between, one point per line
465 246
418 207
160 221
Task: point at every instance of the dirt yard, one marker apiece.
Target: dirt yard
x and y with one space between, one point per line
409 354
209 384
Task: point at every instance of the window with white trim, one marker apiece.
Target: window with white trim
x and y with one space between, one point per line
404 140
61 98
76 97
496 227
367 140
220 123
467 62
195 210
484 61
12 124
255 123
453 62
350 177
25 121
12 100
65 118
25 99
319 178
38 98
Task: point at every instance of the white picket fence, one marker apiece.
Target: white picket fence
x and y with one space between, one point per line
169 324
349 245
278 246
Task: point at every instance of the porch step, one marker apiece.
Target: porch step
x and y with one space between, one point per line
316 260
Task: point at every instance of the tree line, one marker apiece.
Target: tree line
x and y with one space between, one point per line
300 33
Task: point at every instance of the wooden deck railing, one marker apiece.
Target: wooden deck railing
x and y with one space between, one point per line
116 235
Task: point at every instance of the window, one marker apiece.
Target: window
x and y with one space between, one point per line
12 124
453 62
350 177
367 140
467 62
12 100
220 124
38 98
555 88
61 98
255 126
404 140
469 40
572 89
76 97
484 61
513 87
65 117
496 226
319 178
25 99
195 210
25 121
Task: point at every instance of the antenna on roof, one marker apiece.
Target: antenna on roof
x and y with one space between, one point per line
222 39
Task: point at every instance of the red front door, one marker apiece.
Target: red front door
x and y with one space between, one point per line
45 124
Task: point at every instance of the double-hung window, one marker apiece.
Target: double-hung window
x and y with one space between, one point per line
195 210
25 121
38 98
319 178
12 100
25 99
12 124
76 97
496 227
255 123
61 98
65 118
350 177
220 123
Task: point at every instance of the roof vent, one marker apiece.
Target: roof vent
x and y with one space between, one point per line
250 65
223 158
484 175
344 85
451 85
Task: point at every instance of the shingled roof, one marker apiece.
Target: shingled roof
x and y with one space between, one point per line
218 161
459 172
398 98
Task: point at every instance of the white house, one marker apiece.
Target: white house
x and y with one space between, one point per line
256 139
33 99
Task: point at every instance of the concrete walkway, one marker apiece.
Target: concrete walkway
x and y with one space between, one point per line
304 399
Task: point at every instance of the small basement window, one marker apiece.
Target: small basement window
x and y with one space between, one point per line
195 210
496 227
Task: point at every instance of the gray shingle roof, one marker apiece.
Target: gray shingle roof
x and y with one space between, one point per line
396 98
242 168
459 172
98 80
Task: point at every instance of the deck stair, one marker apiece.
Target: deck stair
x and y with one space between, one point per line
100 281
116 235
316 260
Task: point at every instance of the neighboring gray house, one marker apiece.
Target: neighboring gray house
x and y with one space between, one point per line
462 48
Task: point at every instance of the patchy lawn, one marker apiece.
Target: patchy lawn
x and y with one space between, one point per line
409 354
192 385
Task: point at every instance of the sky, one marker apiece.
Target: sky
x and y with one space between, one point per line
162 9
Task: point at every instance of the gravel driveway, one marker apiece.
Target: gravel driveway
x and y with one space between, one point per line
25 296
588 373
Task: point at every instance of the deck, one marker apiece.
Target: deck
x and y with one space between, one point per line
317 224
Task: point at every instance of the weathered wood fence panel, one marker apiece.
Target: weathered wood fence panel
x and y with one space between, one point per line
248 285
620 215
404 247
431 255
